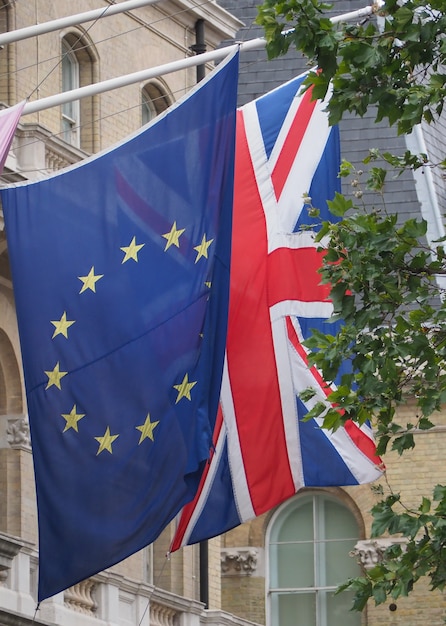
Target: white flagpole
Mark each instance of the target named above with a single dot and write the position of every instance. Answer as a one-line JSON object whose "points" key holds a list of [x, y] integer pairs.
{"points": [[353, 15], [71, 20], [136, 77], [174, 66]]}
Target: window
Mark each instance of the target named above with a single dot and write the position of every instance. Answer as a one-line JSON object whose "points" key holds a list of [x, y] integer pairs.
{"points": [[154, 100], [79, 67], [10, 385], [148, 111], [70, 110], [309, 540]]}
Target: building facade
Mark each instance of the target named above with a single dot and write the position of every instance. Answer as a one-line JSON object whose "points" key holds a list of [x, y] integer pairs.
{"points": [[282, 568]]}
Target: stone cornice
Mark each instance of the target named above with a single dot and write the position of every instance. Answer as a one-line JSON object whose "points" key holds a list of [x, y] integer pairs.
{"points": [[239, 561], [371, 551]]}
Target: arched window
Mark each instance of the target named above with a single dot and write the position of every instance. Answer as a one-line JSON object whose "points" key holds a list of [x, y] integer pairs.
{"points": [[154, 100], [309, 539], [10, 383], [71, 122], [79, 67]]}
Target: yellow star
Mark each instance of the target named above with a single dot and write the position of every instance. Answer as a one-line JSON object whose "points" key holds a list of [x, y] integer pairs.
{"points": [[131, 251], [184, 389], [105, 442], [55, 376], [90, 280], [208, 284], [147, 429], [173, 236], [202, 249], [72, 419], [62, 326]]}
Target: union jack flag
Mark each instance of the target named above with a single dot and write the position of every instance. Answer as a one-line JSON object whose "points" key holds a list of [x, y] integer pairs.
{"points": [[263, 451]]}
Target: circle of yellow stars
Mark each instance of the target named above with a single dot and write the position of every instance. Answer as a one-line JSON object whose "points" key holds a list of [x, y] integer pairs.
{"points": [[64, 324]]}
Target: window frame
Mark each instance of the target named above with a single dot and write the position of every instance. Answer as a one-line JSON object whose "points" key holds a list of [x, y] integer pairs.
{"points": [[82, 51], [319, 590], [155, 99], [70, 112]]}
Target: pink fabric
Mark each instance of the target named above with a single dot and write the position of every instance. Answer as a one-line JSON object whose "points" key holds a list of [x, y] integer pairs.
{"points": [[9, 118]]}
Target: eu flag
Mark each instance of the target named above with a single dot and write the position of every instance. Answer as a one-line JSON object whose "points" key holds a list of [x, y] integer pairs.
{"points": [[121, 277]]}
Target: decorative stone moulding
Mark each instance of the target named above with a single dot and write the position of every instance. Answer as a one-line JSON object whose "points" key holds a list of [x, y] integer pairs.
{"points": [[162, 615], [81, 598], [371, 551], [9, 548], [17, 432], [239, 561]]}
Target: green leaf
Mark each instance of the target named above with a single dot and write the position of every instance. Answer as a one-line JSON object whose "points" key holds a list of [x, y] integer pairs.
{"points": [[439, 493], [379, 594], [425, 505], [332, 420], [377, 177], [403, 17], [413, 228], [381, 521], [307, 394], [404, 442], [425, 424], [339, 205]]}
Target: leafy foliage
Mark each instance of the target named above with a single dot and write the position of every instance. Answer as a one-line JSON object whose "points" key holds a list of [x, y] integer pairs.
{"points": [[382, 273], [422, 553], [384, 288], [394, 63]]}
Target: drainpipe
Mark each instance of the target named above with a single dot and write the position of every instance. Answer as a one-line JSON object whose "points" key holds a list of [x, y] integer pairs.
{"points": [[199, 47], [427, 195], [204, 573]]}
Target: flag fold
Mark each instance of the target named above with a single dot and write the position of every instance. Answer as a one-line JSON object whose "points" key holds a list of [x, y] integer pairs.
{"points": [[9, 118], [121, 277]]}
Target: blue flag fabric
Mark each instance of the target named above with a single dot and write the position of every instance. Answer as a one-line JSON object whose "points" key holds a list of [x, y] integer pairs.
{"points": [[121, 278]]}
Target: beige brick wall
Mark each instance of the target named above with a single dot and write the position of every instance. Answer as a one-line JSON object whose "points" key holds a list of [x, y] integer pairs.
{"points": [[214, 548], [414, 474], [244, 596], [423, 607], [18, 513], [28, 508]]}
